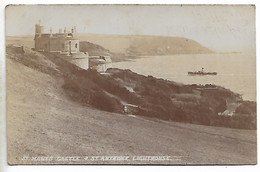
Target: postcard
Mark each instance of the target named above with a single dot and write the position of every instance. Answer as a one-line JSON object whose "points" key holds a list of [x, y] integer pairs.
{"points": [[131, 84]]}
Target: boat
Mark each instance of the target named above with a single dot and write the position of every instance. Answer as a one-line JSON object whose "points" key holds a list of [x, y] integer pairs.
{"points": [[202, 73]]}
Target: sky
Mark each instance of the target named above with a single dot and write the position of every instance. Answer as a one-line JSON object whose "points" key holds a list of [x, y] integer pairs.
{"points": [[224, 28]]}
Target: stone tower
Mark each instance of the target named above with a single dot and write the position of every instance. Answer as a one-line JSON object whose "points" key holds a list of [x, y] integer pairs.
{"points": [[39, 29]]}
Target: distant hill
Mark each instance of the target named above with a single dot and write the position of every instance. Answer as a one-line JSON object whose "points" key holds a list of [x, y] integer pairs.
{"points": [[149, 46], [27, 41], [146, 45]]}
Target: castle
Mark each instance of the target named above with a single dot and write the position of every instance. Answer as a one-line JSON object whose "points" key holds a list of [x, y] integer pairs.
{"points": [[66, 45]]}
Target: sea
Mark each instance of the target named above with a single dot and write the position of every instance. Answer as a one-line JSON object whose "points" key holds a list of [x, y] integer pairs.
{"points": [[235, 71]]}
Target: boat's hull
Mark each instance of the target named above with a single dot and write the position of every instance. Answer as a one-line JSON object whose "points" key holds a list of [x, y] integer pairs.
{"points": [[202, 73]]}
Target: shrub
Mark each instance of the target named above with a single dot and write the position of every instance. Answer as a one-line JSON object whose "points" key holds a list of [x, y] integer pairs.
{"points": [[103, 102], [247, 107]]}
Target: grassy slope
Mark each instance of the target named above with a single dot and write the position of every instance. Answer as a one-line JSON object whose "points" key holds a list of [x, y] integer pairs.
{"points": [[43, 121]]}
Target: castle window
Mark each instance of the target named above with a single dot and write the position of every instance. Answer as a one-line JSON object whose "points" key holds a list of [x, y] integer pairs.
{"points": [[76, 45]]}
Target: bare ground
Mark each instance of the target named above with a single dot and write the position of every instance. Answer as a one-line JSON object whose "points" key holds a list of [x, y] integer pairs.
{"points": [[42, 121]]}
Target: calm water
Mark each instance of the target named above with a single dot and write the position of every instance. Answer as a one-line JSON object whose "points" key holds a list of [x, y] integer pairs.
{"points": [[236, 72]]}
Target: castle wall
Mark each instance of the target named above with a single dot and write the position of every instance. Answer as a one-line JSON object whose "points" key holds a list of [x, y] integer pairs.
{"points": [[41, 44], [102, 67], [74, 46], [56, 44], [79, 59], [82, 63], [100, 63]]}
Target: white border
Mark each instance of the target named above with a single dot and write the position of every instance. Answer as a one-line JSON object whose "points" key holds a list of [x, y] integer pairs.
{"points": [[65, 168]]}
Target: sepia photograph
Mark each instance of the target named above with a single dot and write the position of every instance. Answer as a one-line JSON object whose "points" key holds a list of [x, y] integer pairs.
{"points": [[131, 84]]}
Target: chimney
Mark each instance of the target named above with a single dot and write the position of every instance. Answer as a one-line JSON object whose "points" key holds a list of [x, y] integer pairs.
{"points": [[72, 30], [65, 30]]}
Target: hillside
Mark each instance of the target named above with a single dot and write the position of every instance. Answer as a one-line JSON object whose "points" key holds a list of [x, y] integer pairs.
{"points": [[97, 50], [44, 120]]}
